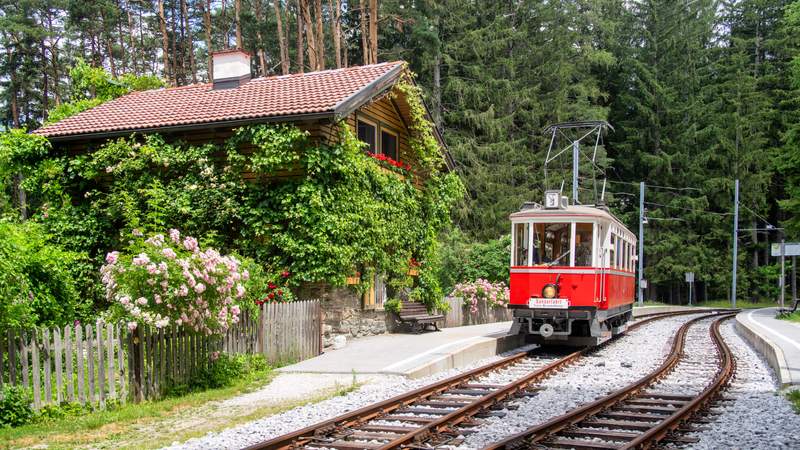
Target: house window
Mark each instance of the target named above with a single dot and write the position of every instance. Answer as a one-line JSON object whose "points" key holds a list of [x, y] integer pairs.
{"points": [[389, 144], [367, 133]]}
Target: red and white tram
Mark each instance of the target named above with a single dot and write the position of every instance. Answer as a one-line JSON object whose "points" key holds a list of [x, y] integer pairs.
{"points": [[572, 273]]}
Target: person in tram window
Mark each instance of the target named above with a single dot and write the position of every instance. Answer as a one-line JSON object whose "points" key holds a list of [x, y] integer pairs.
{"points": [[583, 246]]}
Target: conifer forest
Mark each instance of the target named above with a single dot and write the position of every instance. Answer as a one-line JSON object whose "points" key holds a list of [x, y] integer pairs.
{"points": [[699, 92]]}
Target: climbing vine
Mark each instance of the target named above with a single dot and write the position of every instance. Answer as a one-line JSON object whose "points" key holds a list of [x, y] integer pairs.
{"points": [[319, 211]]}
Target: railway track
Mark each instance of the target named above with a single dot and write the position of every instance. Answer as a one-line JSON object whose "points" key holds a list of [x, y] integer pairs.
{"points": [[639, 415], [430, 413]]}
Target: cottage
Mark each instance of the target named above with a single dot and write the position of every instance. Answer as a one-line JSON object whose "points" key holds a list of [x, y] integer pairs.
{"points": [[366, 98]]}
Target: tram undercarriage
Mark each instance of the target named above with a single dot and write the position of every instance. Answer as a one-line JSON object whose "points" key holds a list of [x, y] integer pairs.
{"points": [[574, 327]]}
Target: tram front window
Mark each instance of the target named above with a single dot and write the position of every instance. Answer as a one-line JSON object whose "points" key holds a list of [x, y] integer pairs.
{"points": [[552, 243], [521, 240], [583, 244]]}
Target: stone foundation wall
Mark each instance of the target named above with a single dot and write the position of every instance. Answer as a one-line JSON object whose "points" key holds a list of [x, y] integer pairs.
{"points": [[342, 314]]}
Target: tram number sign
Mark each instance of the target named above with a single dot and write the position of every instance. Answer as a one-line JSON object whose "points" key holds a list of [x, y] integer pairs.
{"points": [[690, 277], [553, 303], [790, 249]]}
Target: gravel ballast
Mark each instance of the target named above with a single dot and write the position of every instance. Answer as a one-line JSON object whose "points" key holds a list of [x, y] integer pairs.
{"points": [[758, 417]]}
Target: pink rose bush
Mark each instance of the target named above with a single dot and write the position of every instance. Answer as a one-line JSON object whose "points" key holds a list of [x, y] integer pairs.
{"points": [[173, 281], [496, 295]]}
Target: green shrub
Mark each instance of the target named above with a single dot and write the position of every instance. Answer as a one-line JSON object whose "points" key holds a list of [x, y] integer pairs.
{"points": [[465, 260], [15, 406], [393, 305], [227, 369], [38, 279]]}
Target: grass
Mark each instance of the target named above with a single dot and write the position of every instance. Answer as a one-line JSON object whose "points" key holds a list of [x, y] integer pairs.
{"points": [[793, 317], [741, 304], [122, 421], [794, 398], [158, 423]]}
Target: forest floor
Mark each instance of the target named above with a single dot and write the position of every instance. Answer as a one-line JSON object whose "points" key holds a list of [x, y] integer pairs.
{"points": [[161, 423]]}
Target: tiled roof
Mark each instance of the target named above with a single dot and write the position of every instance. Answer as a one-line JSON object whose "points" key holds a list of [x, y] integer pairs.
{"points": [[308, 93]]}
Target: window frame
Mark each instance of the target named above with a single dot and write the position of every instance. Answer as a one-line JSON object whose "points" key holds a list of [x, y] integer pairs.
{"points": [[396, 136], [376, 130]]}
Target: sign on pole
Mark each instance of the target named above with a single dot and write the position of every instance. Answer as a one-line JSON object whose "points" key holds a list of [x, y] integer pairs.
{"points": [[690, 280], [790, 249]]}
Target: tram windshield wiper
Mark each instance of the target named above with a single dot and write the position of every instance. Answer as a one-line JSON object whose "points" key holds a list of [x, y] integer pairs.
{"points": [[557, 259]]}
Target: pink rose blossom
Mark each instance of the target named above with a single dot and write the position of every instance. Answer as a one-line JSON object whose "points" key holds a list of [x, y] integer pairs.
{"points": [[141, 260], [175, 236], [168, 253], [132, 326], [190, 243], [200, 288], [112, 257], [141, 301]]}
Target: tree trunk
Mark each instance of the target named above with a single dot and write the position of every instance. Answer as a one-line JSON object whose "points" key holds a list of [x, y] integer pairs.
{"points": [[373, 31], [320, 35], [122, 60], [132, 44], [364, 37], [237, 7], [164, 39], [13, 89], [437, 89], [225, 27], [45, 80], [284, 49], [207, 21], [335, 7], [311, 43], [177, 69], [262, 57], [188, 39], [299, 17]]}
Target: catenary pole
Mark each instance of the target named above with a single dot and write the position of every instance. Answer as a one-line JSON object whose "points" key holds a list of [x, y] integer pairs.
{"points": [[783, 271], [735, 241], [575, 153], [641, 242]]}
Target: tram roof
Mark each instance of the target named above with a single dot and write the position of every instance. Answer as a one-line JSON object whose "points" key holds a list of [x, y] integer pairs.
{"points": [[569, 213]]}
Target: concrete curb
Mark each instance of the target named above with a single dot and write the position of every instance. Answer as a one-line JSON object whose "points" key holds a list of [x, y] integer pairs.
{"points": [[483, 347], [768, 349]]}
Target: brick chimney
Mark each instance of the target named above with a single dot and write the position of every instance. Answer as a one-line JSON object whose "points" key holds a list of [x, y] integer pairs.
{"points": [[231, 68]]}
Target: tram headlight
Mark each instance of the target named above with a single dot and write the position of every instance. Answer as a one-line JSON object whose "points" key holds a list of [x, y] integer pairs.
{"points": [[549, 291]]}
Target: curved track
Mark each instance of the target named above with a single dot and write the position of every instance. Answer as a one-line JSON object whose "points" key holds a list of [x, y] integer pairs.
{"points": [[636, 416], [417, 416]]}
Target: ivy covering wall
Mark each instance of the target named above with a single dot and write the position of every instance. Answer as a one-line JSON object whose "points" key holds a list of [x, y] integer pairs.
{"points": [[340, 213]]}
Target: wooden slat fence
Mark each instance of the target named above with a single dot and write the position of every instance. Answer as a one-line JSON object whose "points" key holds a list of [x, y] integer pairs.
{"points": [[97, 363], [460, 315]]}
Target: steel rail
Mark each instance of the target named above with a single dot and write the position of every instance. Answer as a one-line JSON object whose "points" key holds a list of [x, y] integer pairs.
{"points": [[536, 434], [723, 376], [375, 411]]}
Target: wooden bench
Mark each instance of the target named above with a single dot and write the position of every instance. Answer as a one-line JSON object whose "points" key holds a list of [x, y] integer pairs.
{"points": [[416, 315]]}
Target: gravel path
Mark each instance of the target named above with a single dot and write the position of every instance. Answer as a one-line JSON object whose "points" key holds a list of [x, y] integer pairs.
{"points": [[758, 417]]}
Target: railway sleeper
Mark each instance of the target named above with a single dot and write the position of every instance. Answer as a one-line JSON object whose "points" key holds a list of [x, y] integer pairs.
{"points": [[618, 424], [602, 434], [579, 444]]}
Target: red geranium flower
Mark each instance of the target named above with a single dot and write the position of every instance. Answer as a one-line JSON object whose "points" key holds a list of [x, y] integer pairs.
{"points": [[272, 285], [271, 295], [285, 274]]}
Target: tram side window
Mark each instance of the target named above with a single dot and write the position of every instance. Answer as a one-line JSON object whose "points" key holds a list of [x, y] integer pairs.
{"points": [[618, 263], [612, 261], [583, 244], [521, 241]]}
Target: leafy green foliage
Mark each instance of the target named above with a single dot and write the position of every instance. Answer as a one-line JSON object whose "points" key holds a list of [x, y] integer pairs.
{"points": [[39, 282], [15, 406], [466, 260], [226, 369], [92, 86]]}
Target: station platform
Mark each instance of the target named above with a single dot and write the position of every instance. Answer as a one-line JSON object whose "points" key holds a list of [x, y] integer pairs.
{"points": [[777, 340], [413, 355]]}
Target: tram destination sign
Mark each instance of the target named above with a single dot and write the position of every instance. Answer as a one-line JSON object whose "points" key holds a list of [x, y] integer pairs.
{"points": [[791, 249]]}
